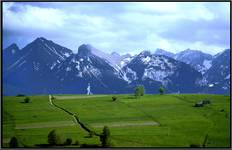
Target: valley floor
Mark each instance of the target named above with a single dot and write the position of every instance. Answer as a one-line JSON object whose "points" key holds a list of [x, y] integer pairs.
{"points": [[149, 121]]}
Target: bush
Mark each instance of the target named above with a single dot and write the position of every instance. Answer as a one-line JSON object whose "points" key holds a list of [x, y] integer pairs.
{"points": [[54, 138], [114, 98], [13, 142], [105, 137], [27, 100], [68, 141]]}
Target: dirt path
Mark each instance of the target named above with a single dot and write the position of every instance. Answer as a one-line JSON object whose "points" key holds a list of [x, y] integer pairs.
{"points": [[77, 97], [95, 125]]}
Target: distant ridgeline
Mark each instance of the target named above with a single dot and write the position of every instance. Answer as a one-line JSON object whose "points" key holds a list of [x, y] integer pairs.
{"points": [[44, 67]]}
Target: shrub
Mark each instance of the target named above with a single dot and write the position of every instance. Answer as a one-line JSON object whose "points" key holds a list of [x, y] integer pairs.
{"points": [[105, 137], [54, 138], [114, 98], [27, 100], [13, 142], [68, 141], [20, 95]]}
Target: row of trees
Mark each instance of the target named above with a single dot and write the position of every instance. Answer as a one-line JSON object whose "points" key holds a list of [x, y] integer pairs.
{"points": [[139, 91], [55, 138]]}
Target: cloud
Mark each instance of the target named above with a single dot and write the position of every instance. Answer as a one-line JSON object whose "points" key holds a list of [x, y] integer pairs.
{"points": [[122, 27]]}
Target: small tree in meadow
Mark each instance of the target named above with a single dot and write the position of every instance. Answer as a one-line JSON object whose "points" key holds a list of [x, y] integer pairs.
{"points": [[141, 89], [54, 138], [161, 90], [137, 92], [13, 142], [105, 137]]}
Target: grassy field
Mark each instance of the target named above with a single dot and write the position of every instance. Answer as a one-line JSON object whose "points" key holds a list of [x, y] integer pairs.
{"points": [[150, 121]]}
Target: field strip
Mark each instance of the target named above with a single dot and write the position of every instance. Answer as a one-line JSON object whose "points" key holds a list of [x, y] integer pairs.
{"points": [[6, 140], [96, 125], [77, 97]]}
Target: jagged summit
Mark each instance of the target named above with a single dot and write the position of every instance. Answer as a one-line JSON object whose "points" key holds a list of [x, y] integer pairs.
{"points": [[44, 67], [115, 54], [164, 52], [84, 50], [13, 46], [145, 53]]}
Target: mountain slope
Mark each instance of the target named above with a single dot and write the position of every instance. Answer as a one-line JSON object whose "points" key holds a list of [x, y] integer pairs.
{"points": [[31, 71], [154, 71], [84, 68], [44, 67], [217, 77], [197, 59]]}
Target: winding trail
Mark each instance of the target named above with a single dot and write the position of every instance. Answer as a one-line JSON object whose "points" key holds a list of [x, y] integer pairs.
{"points": [[77, 120]]}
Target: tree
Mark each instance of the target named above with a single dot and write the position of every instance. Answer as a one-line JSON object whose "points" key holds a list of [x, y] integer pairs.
{"points": [[13, 142], [105, 137], [27, 100], [161, 90], [139, 91], [54, 138]]}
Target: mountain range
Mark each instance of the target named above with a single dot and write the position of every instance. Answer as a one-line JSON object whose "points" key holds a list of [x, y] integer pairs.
{"points": [[44, 67]]}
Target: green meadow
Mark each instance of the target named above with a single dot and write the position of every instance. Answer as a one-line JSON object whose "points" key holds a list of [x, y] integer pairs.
{"points": [[148, 121]]}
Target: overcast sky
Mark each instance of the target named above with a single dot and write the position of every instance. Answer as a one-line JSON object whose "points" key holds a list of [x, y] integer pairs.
{"points": [[121, 27]]}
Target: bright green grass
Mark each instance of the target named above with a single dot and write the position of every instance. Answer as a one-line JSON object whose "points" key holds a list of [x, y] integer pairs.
{"points": [[180, 124]]}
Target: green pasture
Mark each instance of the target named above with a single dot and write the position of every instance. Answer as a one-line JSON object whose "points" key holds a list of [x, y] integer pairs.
{"points": [[149, 121]]}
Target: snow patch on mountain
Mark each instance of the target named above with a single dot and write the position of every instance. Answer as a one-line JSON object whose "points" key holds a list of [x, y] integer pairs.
{"points": [[54, 51], [67, 54], [125, 61], [227, 77], [129, 75], [156, 75], [95, 72], [53, 65], [146, 59], [207, 64], [211, 85], [68, 69]]}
